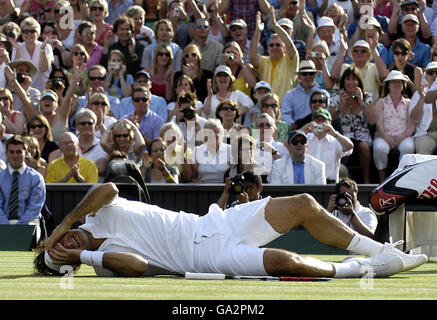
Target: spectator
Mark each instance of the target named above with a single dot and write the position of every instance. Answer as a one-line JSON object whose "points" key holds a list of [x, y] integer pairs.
{"points": [[212, 158], [244, 73], [270, 105], [228, 112], [183, 84], [37, 52], [372, 32], [243, 148], [210, 49], [132, 50], [187, 119], [424, 113], [98, 12], [383, 8], [78, 56], [147, 120], [142, 33], [153, 12], [296, 102], [218, 30], [422, 51], [72, 167], [261, 88], [327, 144], [156, 170], [23, 191], [353, 108], [161, 72], [99, 104], [41, 11], [372, 73], [118, 81], [116, 8], [282, 54], [326, 31], [177, 15], [39, 127], [238, 33], [222, 88], [350, 8], [318, 100], [401, 50], [164, 35], [80, 10], [394, 128], [157, 104], [124, 136], [13, 120], [11, 30], [298, 167], [61, 56], [89, 145], [66, 31], [319, 54], [359, 218], [59, 83], [86, 32], [33, 158], [192, 67]]}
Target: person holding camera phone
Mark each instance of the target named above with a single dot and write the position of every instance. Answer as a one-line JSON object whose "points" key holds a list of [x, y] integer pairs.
{"points": [[345, 206]]}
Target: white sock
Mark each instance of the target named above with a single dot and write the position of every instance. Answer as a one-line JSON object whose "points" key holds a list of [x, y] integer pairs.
{"points": [[364, 245], [348, 269]]}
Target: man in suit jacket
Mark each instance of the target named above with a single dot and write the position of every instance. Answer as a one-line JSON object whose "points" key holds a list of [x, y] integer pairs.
{"points": [[298, 167]]}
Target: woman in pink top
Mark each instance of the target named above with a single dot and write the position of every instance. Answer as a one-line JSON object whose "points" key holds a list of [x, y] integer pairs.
{"points": [[394, 128]]}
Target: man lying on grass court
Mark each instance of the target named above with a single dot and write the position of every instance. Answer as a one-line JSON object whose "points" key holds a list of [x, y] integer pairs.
{"points": [[128, 238]]}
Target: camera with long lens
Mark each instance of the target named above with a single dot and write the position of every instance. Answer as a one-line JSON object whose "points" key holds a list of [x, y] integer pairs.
{"points": [[189, 113], [57, 83], [238, 184], [342, 199]]}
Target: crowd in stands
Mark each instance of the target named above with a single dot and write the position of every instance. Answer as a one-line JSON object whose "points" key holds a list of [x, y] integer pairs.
{"points": [[198, 91]]}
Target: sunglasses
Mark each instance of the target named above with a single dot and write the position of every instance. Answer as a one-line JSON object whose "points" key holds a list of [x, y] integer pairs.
{"points": [[161, 54], [96, 8], [87, 33], [294, 3], [140, 99], [4, 98], [24, 31], [271, 45], [397, 53], [308, 73], [192, 54], [124, 135], [229, 108], [295, 142], [34, 126], [76, 53], [159, 149], [86, 123], [360, 51], [99, 103], [431, 72], [318, 101], [270, 105], [96, 78], [235, 28], [200, 26]]}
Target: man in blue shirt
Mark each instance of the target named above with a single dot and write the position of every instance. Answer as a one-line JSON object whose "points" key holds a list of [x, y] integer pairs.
{"points": [[28, 187], [296, 102], [116, 8], [157, 103], [148, 121]]}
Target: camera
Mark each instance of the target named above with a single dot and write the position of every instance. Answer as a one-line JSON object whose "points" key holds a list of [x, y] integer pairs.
{"points": [[115, 65], [20, 78], [56, 83], [238, 184], [10, 34], [315, 54], [229, 55], [176, 11], [188, 113], [318, 127], [342, 199]]}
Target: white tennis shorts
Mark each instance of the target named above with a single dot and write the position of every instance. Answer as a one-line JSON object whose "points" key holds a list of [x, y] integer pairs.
{"points": [[228, 241]]}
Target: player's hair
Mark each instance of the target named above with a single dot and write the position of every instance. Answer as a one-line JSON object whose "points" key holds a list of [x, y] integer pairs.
{"points": [[39, 266]]}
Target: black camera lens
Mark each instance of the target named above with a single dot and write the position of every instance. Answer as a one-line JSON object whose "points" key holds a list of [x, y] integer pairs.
{"points": [[342, 199], [238, 184], [10, 34], [20, 78], [188, 113]]}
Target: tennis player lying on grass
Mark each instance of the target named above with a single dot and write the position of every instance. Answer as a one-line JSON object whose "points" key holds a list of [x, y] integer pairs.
{"points": [[128, 238]]}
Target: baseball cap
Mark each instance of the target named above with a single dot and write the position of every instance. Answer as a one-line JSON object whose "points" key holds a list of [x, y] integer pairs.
{"points": [[223, 68], [285, 22], [326, 22], [50, 94], [410, 17], [238, 22], [142, 72], [295, 133], [323, 113], [431, 65], [407, 2], [262, 84]]}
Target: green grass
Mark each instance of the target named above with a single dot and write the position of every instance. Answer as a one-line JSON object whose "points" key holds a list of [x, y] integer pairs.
{"points": [[17, 282]]}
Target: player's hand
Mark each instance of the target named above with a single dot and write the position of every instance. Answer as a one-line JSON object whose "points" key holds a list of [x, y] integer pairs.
{"points": [[57, 234], [62, 255]]}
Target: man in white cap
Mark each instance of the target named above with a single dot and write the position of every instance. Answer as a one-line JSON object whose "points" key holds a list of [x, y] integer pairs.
{"points": [[422, 51], [423, 110], [296, 102], [238, 32], [260, 90], [279, 66], [418, 8], [373, 74], [326, 31]]}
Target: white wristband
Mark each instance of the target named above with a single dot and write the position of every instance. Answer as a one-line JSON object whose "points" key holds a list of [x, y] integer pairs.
{"points": [[92, 258]]}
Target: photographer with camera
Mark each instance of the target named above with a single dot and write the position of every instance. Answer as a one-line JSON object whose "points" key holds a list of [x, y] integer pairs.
{"points": [[345, 206], [245, 187]]}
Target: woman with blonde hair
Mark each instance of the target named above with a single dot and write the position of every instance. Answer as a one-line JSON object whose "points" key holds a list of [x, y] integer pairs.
{"points": [[98, 12], [118, 81], [191, 66], [99, 104], [39, 127], [79, 55], [33, 159], [154, 167], [40, 54], [13, 120]]}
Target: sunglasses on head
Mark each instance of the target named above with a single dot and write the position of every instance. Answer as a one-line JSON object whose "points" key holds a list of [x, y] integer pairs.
{"points": [[99, 103], [86, 123], [96, 78], [192, 54], [162, 149], [124, 135], [34, 126], [295, 142], [397, 53], [140, 99], [160, 54]]}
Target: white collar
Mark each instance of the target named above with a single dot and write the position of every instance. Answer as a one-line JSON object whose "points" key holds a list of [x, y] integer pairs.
{"points": [[20, 171]]}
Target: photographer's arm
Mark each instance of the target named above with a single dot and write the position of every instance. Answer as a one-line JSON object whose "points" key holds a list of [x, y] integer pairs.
{"points": [[222, 201]]}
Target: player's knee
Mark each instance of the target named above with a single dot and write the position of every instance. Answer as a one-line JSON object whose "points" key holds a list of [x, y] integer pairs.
{"points": [[281, 262]]}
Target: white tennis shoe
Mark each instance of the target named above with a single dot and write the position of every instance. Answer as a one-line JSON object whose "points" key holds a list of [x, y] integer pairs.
{"points": [[411, 261], [381, 265]]}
